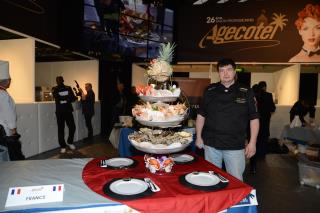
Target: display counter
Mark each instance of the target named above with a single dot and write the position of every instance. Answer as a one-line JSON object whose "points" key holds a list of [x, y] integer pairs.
{"points": [[37, 125]]}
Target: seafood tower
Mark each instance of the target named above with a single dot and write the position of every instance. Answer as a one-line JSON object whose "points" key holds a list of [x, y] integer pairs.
{"points": [[160, 110]]}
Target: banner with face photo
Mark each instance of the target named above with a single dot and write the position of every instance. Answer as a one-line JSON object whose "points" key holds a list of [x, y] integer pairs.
{"points": [[262, 31]]}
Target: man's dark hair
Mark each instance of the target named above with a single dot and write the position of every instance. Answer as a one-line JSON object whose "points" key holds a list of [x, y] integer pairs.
{"points": [[262, 84], [256, 89], [226, 61], [59, 80]]}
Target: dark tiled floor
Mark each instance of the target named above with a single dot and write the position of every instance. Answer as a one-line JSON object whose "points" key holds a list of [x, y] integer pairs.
{"points": [[278, 186], [276, 180], [97, 147]]}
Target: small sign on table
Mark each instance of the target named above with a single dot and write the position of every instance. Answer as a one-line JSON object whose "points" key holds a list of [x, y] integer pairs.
{"points": [[18, 196]]}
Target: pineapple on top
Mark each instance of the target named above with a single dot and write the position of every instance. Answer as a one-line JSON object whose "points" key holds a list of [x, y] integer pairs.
{"points": [[160, 68]]}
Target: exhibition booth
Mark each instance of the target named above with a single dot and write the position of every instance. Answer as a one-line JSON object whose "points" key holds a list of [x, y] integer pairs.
{"points": [[36, 121]]}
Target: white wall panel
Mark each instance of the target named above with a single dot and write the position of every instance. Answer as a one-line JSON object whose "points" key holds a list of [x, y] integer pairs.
{"points": [[287, 85], [21, 56], [37, 125], [47, 124], [81, 71], [81, 130], [27, 125], [256, 77]]}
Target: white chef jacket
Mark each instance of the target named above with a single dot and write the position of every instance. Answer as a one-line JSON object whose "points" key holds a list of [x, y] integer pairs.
{"points": [[8, 115]]}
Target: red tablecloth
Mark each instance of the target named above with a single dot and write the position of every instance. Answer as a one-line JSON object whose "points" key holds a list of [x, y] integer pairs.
{"points": [[173, 196]]}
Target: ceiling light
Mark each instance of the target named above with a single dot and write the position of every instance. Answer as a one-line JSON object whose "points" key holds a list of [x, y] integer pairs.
{"points": [[199, 2]]}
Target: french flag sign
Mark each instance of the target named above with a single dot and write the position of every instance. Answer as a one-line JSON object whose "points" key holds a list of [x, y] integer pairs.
{"points": [[26, 195], [15, 191], [57, 188]]}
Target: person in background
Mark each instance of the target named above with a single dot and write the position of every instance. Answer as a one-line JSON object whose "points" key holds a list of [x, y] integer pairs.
{"points": [[222, 119], [266, 107], [253, 160], [64, 96], [120, 107], [132, 100], [301, 108], [87, 103], [8, 115]]}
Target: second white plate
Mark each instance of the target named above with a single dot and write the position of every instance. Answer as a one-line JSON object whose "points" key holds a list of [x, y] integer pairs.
{"points": [[119, 162], [182, 158], [156, 99], [171, 123], [128, 186], [202, 179]]}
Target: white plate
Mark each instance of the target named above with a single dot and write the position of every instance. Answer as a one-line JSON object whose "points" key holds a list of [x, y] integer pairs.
{"points": [[182, 158], [156, 99], [202, 179], [128, 187], [158, 150], [119, 162], [163, 124]]}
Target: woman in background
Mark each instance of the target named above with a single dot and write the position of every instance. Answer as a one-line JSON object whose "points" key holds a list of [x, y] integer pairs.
{"points": [[308, 25]]}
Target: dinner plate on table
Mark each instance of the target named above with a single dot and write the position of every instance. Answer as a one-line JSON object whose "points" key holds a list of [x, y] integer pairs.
{"points": [[164, 124], [183, 158], [127, 188], [118, 163], [156, 98], [202, 181]]}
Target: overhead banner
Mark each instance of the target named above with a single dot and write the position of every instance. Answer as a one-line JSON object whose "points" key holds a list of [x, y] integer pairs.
{"points": [[249, 31]]}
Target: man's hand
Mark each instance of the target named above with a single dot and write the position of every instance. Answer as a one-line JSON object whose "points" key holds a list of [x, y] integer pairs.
{"points": [[250, 150], [13, 131], [199, 142]]}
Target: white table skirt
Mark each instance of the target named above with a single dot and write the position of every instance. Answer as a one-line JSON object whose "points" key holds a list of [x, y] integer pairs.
{"points": [[54, 171], [78, 198]]}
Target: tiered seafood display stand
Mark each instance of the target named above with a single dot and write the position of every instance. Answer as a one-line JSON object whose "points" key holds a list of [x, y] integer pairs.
{"points": [[162, 110]]}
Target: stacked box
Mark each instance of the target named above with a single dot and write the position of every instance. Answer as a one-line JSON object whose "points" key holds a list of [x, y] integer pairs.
{"points": [[309, 172]]}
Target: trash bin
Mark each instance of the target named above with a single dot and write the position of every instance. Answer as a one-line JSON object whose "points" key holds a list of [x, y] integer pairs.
{"points": [[309, 172]]}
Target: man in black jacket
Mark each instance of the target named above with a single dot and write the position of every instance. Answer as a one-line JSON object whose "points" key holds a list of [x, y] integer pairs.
{"points": [[222, 120], [87, 102], [266, 108], [64, 96]]}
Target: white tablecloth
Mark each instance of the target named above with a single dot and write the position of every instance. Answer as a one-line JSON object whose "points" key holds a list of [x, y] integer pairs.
{"points": [[77, 196]]}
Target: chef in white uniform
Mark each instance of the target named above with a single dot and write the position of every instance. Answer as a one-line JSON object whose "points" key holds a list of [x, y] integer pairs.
{"points": [[8, 116]]}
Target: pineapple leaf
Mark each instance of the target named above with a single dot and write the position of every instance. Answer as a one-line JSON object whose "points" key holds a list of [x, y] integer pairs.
{"points": [[166, 52]]}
